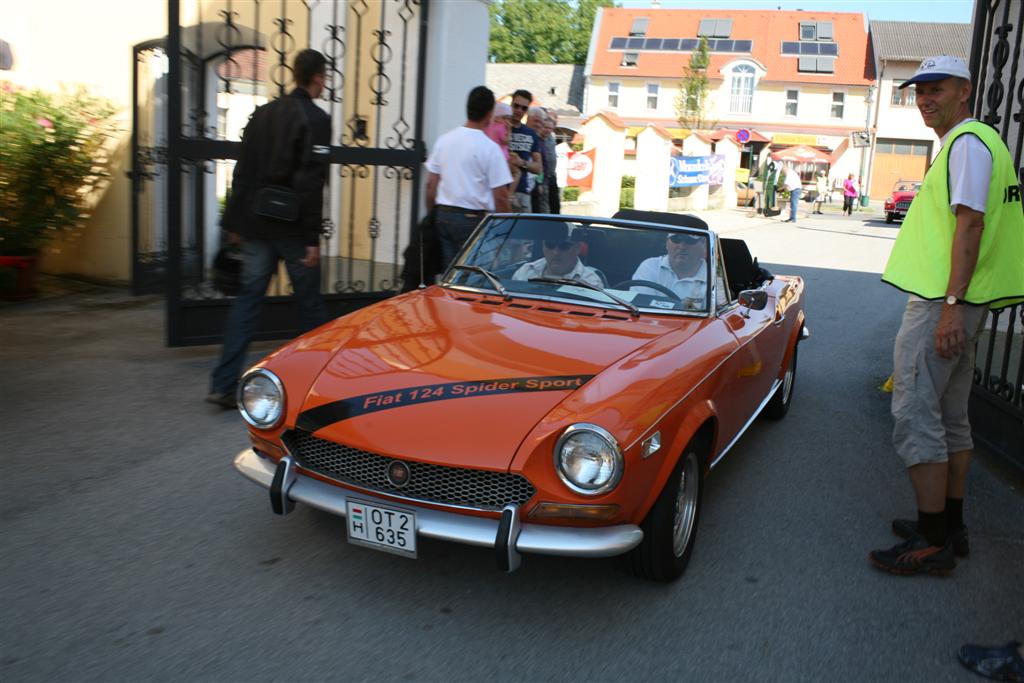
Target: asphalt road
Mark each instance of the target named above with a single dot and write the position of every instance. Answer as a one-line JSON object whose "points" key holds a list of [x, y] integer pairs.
{"points": [[131, 550]]}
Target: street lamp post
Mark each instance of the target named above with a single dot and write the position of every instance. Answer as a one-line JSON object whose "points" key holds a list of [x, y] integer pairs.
{"points": [[865, 152]]}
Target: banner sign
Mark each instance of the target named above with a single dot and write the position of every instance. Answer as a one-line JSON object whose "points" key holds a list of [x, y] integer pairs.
{"points": [[581, 169], [692, 171]]}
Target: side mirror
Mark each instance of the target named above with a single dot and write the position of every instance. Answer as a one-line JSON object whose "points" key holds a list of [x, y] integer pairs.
{"points": [[754, 299]]}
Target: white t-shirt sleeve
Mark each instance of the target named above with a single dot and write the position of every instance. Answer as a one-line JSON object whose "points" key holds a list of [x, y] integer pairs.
{"points": [[498, 174], [433, 163], [970, 172]]}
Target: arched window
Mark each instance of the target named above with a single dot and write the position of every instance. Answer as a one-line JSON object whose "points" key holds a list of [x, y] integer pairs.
{"points": [[741, 89]]}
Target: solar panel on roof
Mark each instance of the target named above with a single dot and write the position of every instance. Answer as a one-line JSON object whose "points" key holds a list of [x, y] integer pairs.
{"points": [[688, 44], [790, 48], [618, 43], [743, 46], [670, 44], [634, 43], [652, 44], [725, 46], [828, 49], [808, 48]]}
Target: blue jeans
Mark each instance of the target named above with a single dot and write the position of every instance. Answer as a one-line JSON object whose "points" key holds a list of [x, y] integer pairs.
{"points": [[259, 263], [453, 229], [794, 201]]}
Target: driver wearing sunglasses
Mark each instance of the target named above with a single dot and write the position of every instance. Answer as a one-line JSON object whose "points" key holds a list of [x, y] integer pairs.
{"points": [[683, 269], [561, 260]]}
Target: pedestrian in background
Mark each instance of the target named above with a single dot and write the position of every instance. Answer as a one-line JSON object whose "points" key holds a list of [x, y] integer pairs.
{"points": [[537, 120], [959, 252], [790, 180], [820, 189], [849, 195], [551, 175], [500, 130], [275, 210], [525, 144], [468, 176]]}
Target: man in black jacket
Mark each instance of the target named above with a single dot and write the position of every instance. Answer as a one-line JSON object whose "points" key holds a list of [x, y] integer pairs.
{"points": [[276, 210]]}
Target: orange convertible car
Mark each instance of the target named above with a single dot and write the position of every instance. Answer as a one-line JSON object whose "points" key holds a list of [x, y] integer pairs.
{"points": [[564, 390]]}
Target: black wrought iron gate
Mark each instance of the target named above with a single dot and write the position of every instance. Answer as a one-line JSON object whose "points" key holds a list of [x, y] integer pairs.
{"points": [[997, 400], [193, 94]]}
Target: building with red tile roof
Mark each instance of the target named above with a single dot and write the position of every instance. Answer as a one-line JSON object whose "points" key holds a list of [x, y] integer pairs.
{"points": [[788, 77]]}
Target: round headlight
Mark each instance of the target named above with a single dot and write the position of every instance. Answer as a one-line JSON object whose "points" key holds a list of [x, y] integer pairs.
{"points": [[261, 399], [588, 459]]}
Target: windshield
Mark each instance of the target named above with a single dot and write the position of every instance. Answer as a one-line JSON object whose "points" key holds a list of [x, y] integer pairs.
{"points": [[654, 268]]}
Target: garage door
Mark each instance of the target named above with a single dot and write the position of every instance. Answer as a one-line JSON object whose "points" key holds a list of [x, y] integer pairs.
{"points": [[898, 160]]}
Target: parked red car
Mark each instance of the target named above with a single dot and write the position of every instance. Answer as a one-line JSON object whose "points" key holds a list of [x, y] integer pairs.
{"points": [[898, 203]]}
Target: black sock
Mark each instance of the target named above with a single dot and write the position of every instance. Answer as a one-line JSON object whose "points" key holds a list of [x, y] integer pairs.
{"points": [[954, 514], [932, 525]]}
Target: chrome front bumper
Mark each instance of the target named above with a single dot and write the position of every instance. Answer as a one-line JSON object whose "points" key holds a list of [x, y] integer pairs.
{"points": [[508, 535]]}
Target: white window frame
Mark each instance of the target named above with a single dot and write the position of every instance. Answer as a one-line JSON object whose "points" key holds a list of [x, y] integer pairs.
{"points": [[741, 75], [614, 90], [795, 102], [842, 105], [657, 92]]}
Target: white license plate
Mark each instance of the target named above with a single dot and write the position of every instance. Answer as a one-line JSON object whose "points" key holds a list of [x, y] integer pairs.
{"points": [[382, 528]]}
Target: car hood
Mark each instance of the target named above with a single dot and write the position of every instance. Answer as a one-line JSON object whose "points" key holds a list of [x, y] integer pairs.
{"points": [[460, 378], [903, 196]]}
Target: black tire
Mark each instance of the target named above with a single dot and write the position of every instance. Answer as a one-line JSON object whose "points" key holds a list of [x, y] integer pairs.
{"points": [[889, 218], [669, 534], [783, 397]]}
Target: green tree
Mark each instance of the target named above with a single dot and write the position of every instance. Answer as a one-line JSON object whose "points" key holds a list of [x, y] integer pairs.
{"points": [[542, 31], [692, 100]]}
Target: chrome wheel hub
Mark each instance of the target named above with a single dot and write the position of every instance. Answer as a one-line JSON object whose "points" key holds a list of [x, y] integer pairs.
{"points": [[686, 505]]}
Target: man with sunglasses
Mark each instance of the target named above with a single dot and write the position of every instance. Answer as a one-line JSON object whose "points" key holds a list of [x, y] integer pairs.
{"points": [[524, 146], [561, 260], [683, 269]]}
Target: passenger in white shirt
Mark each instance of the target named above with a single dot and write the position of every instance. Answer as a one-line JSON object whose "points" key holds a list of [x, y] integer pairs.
{"points": [[561, 260], [683, 269]]}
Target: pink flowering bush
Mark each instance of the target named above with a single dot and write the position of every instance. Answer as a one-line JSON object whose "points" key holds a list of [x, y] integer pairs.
{"points": [[53, 155]]}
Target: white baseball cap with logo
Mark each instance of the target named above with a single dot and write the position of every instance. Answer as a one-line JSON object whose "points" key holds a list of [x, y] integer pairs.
{"points": [[939, 68]]}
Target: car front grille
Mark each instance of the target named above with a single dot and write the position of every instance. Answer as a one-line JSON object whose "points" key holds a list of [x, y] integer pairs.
{"points": [[903, 206], [463, 487]]}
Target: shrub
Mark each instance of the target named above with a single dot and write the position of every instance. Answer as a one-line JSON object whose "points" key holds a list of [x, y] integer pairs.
{"points": [[570, 194], [626, 198], [53, 155]]}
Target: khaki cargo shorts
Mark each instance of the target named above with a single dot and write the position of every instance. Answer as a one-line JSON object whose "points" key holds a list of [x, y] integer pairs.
{"points": [[930, 394]]}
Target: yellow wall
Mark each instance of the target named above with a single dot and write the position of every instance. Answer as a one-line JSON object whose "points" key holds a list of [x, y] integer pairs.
{"points": [[70, 42]]}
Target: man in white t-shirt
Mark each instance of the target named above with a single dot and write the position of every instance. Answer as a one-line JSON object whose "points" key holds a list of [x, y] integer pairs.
{"points": [[790, 179], [469, 176], [683, 269]]}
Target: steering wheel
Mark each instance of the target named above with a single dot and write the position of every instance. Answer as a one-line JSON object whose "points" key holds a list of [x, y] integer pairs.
{"points": [[647, 283]]}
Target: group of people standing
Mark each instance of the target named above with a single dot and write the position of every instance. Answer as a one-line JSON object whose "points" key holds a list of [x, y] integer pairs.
{"points": [[501, 159]]}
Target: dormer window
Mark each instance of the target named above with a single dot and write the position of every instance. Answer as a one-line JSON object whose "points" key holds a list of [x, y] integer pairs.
{"points": [[629, 58], [639, 27]]}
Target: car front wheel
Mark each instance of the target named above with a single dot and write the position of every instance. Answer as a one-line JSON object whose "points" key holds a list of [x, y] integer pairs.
{"points": [[889, 217], [778, 406], [670, 528]]}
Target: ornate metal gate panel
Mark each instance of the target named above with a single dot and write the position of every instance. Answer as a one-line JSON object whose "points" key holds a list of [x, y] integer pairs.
{"points": [[997, 401], [223, 59]]}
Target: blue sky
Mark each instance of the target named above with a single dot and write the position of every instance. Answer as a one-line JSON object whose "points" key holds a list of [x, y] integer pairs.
{"points": [[890, 10]]}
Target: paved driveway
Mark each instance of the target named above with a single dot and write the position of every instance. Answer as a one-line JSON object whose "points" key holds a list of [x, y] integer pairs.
{"points": [[132, 551]]}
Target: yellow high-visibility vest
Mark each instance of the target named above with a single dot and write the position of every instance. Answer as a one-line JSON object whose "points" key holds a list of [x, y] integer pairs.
{"points": [[920, 261]]}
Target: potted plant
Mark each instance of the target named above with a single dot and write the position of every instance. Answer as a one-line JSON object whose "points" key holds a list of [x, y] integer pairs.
{"points": [[53, 157]]}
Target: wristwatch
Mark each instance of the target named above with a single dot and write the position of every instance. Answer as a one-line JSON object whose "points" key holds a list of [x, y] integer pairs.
{"points": [[953, 301]]}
